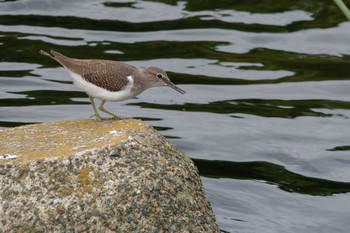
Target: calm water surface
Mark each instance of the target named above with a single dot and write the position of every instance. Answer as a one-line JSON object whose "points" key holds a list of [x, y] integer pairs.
{"points": [[266, 114]]}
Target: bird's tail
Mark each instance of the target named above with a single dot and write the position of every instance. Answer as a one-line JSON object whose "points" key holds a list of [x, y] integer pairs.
{"points": [[53, 54]]}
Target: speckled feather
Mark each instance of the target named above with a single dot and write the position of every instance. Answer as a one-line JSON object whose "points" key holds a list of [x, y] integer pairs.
{"points": [[110, 75]]}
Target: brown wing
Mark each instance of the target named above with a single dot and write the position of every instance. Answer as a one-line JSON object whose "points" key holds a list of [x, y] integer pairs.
{"points": [[110, 75]]}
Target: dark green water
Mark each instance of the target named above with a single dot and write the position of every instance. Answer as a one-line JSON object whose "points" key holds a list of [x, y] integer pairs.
{"points": [[266, 114]]}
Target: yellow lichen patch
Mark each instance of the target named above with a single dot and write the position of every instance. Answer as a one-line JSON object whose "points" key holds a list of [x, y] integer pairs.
{"points": [[63, 138], [85, 181], [64, 191]]}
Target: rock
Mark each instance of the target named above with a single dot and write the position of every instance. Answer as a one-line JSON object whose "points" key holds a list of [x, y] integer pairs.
{"points": [[90, 176]]}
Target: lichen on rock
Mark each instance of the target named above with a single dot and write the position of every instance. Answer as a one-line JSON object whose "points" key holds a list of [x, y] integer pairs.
{"points": [[89, 176]]}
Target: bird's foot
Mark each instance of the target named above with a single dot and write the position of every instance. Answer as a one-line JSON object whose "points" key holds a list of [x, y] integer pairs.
{"points": [[115, 117], [121, 118], [97, 117]]}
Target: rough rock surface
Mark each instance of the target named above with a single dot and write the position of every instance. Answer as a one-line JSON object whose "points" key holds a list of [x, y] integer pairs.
{"points": [[90, 176]]}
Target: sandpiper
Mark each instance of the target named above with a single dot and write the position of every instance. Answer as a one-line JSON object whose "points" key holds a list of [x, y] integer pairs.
{"points": [[111, 80]]}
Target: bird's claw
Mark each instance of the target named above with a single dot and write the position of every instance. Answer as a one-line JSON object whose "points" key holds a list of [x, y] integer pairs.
{"points": [[99, 118]]}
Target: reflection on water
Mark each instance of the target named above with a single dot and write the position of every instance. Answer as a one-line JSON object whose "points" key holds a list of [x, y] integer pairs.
{"points": [[286, 180], [259, 107], [266, 114]]}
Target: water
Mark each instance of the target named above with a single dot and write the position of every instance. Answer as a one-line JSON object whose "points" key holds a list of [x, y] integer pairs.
{"points": [[266, 114]]}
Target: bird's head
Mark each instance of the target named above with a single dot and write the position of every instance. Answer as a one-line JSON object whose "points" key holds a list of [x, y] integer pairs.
{"points": [[159, 78]]}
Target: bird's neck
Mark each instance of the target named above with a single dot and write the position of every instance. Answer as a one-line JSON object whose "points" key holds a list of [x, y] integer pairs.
{"points": [[147, 79]]}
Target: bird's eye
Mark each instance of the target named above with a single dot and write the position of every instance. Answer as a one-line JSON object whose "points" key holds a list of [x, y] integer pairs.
{"points": [[159, 75]]}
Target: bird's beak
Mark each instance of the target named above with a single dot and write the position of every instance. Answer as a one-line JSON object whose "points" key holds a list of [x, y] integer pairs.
{"points": [[176, 88]]}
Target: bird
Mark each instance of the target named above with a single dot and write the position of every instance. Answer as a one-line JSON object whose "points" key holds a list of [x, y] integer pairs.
{"points": [[109, 80]]}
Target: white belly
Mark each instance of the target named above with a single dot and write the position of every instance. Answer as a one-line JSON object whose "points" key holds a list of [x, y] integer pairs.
{"points": [[100, 93]]}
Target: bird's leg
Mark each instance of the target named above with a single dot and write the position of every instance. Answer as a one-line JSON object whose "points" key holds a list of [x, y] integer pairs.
{"points": [[95, 110], [108, 112]]}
